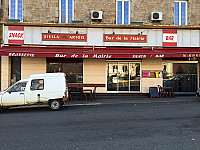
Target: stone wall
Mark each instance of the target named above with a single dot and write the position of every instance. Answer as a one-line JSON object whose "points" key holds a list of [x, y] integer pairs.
{"points": [[47, 11]]}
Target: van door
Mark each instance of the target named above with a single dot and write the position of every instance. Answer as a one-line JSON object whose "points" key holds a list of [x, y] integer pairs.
{"points": [[15, 95], [36, 92]]}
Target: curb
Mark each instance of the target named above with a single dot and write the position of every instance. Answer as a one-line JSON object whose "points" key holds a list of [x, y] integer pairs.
{"points": [[129, 102]]}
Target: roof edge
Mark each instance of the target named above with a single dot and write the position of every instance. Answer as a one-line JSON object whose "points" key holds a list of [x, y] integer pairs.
{"points": [[102, 26]]}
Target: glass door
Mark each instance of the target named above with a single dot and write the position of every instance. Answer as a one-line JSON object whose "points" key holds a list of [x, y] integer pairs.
{"points": [[112, 79], [123, 76], [134, 76]]}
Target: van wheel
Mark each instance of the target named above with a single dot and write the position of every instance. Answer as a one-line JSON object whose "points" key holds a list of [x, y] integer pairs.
{"points": [[55, 105]]}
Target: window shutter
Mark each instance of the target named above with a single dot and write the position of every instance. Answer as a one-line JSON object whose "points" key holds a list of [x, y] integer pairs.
{"points": [[12, 9], [20, 10], [183, 13], [126, 12], [119, 12], [176, 13], [70, 11], [63, 11]]}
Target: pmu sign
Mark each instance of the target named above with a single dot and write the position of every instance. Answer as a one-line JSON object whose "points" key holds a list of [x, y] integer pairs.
{"points": [[169, 38], [15, 35]]}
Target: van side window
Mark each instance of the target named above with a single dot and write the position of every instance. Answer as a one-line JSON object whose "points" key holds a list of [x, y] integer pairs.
{"points": [[19, 87], [37, 84]]}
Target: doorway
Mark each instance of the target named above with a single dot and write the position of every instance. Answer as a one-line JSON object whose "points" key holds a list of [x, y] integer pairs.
{"points": [[123, 76]]}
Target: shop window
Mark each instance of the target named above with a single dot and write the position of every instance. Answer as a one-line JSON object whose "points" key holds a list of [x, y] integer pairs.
{"points": [[73, 68], [16, 9], [180, 13], [181, 76], [123, 12], [37, 84], [66, 13]]}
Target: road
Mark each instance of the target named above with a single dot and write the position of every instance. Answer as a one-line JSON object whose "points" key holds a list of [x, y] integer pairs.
{"points": [[153, 126]]}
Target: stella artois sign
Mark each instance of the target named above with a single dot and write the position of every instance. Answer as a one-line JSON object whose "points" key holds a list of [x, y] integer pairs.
{"points": [[64, 37]]}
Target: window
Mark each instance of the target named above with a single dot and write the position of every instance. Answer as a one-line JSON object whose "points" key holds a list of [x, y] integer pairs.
{"points": [[19, 87], [180, 75], [37, 84], [16, 9], [66, 12], [180, 13], [123, 12]]}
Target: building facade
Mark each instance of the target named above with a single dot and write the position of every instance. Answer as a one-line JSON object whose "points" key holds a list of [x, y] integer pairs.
{"points": [[127, 45]]}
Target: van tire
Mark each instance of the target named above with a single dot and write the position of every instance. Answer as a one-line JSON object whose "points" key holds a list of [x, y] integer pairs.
{"points": [[55, 104]]}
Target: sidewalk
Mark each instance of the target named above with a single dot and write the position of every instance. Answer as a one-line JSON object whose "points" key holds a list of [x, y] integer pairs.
{"points": [[133, 100]]}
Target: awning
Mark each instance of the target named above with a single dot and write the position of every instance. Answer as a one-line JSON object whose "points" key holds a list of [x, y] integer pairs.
{"points": [[98, 52]]}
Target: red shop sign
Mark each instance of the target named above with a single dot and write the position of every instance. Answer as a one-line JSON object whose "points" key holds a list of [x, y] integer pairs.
{"points": [[64, 37], [16, 35], [125, 38]]}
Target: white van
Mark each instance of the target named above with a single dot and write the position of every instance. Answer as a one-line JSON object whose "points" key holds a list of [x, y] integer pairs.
{"points": [[47, 88]]}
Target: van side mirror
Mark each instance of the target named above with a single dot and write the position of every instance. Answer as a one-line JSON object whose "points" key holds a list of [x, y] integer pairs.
{"points": [[9, 91]]}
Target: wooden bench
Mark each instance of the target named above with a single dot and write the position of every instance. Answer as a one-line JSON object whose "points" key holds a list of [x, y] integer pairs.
{"points": [[87, 93]]}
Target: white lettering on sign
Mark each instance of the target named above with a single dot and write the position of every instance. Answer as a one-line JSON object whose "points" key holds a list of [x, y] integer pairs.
{"points": [[169, 37], [139, 56], [102, 56], [109, 38], [85, 56], [76, 37], [74, 56], [22, 54], [51, 36], [191, 55], [60, 55], [159, 56], [16, 35]]}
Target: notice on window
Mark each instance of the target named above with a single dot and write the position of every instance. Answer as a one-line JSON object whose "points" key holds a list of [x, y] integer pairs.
{"points": [[114, 79], [145, 74]]}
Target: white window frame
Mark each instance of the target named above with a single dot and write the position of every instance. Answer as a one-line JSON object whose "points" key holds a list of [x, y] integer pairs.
{"points": [[123, 11], [66, 11], [186, 11]]}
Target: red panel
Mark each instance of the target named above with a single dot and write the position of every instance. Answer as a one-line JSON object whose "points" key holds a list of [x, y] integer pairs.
{"points": [[171, 44], [16, 28], [16, 41], [170, 31]]}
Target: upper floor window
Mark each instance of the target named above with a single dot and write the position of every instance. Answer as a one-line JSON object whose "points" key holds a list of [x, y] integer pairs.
{"points": [[16, 9], [66, 13], [180, 13], [123, 12]]}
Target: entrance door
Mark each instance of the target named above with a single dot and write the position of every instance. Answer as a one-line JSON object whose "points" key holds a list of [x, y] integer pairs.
{"points": [[123, 76]]}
